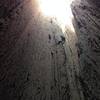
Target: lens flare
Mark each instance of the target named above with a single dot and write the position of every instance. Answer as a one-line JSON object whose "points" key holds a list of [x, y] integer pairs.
{"points": [[59, 9]]}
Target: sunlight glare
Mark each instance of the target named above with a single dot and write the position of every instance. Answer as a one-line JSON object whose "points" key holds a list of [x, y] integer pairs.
{"points": [[59, 9]]}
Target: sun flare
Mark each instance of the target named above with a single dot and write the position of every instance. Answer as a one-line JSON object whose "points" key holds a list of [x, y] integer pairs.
{"points": [[59, 9]]}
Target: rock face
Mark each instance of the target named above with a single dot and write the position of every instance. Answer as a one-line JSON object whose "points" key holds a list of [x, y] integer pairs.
{"points": [[40, 62], [95, 3], [87, 18]]}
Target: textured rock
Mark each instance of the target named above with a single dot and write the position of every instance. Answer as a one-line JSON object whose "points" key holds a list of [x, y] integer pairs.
{"points": [[87, 18], [40, 62]]}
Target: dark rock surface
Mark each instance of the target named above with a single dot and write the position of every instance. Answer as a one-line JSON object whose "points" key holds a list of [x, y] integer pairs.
{"points": [[39, 62], [87, 18]]}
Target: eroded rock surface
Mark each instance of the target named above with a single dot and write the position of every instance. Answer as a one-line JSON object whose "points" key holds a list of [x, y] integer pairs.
{"points": [[40, 62], [87, 19]]}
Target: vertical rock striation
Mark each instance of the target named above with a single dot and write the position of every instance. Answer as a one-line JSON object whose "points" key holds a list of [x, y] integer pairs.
{"points": [[87, 25]]}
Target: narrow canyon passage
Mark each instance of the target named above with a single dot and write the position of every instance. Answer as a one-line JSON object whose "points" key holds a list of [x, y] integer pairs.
{"points": [[40, 61]]}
